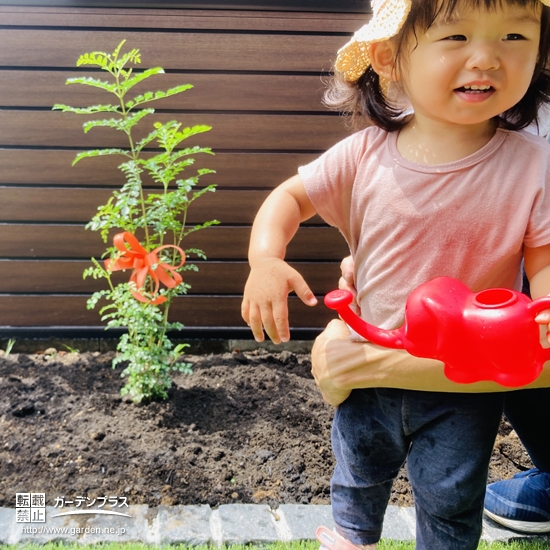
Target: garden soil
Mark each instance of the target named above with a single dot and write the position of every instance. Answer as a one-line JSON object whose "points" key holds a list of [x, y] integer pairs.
{"points": [[243, 428]]}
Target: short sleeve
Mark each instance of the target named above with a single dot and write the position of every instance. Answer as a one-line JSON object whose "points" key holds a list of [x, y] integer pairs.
{"points": [[329, 181]]}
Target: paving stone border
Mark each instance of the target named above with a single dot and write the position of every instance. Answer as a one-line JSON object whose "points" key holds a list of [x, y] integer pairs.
{"points": [[201, 525]]}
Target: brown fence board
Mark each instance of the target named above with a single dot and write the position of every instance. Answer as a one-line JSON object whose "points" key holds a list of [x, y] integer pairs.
{"points": [[229, 131], [203, 51], [218, 242], [65, 276], [53, 167], [241, 92], [57, 205], [192, 311], [182, 19]]}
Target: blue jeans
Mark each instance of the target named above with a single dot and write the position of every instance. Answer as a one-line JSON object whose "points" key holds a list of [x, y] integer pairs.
{"points": [[529, 413], [447, 439]]}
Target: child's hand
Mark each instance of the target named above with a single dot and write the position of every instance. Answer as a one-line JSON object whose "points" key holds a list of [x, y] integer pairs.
{"points": [[543, 318], [265, 301]]}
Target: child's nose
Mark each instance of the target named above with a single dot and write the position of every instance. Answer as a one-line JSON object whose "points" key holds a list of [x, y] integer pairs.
{"points": [[484, 57]]}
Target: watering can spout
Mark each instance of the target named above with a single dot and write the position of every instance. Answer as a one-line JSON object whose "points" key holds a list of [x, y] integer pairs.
{"points": [[340, 301]]}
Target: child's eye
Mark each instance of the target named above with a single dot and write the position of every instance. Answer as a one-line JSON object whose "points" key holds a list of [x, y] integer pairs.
{"points": [[514, 36], [457, 37]]}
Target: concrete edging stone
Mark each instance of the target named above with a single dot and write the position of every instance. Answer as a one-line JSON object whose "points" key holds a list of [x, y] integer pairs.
{"points": [[196, 525]]}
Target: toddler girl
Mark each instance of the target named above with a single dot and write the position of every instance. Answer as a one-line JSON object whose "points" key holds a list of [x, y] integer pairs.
{"points": [[444, 183]]}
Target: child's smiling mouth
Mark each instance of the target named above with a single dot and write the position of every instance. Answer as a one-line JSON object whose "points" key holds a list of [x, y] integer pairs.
{"points": [[475, 93], [475, 89]]}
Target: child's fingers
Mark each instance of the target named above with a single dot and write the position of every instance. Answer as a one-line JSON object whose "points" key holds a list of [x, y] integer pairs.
{"points": [[302, 290], [279, 331], [253, 318]]}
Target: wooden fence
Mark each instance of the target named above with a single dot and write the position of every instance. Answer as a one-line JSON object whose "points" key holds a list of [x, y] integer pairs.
{"points": [[258, 81]]}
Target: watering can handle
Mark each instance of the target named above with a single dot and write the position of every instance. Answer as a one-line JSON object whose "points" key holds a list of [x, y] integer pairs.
{"points": [[340, 301]]}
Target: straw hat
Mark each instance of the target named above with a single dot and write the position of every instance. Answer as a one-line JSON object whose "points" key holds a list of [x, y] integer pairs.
{"points": [[387, 19]]}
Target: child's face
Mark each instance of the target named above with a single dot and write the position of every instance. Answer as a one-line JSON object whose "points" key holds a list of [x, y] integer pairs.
{"points": [[474, 66]]}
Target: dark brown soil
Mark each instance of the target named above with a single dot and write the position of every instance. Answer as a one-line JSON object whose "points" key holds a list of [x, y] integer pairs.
{"points": [[244, 427]]}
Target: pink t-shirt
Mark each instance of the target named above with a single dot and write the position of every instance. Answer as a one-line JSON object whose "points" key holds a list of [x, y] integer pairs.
{"points": [[407, 223]]}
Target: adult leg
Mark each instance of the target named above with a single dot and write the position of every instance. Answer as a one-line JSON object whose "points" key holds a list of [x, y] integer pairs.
{"points": [[452, 440], [529, 413], [523, 502], [370, 448]]}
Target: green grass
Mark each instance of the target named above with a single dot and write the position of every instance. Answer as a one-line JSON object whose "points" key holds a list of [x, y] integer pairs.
{"points": [[520, 544]]}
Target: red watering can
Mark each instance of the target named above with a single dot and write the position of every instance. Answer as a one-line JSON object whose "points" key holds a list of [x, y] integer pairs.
{"points": [[488, 335]]}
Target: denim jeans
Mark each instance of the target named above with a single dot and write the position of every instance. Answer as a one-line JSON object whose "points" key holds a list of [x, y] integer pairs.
{"points": [[447, 439], [529, 413]]}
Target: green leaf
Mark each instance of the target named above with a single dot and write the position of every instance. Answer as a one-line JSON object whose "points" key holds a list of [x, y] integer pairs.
{"points": [[99, 59], [133, 56], [193, 131], [124, 124], [139, 77], [86, 110], [89, 81], [100, 153], [110, 123], [138, 100], [201, 192], [196, 251], [146, 140], [191, 151]]}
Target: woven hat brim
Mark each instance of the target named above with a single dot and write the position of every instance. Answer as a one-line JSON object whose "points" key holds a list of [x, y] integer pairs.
{"points": [[354, 58]]}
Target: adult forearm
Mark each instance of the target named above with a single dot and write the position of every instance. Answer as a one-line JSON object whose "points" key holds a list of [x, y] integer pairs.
{"points": [[340, 365]]}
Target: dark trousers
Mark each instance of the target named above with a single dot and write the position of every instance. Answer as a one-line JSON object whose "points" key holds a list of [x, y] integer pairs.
{"points": [[529, 413], [447, 440]]}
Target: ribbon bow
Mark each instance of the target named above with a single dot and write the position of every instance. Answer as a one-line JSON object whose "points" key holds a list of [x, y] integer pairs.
{"points": [[145, 263]]}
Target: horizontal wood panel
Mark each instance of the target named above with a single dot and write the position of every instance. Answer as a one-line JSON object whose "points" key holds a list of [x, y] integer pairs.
{"points": [[210, 91], [192, 311], [182, 19], [65, 277], [229, 131], [53, 167], [218, 242], [181, 50], [47, 204], [79, 205]]}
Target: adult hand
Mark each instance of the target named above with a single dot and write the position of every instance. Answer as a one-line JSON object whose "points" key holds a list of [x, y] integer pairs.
{"points": [[323, 363], [340, 365], [543, 318], [347, 281]]}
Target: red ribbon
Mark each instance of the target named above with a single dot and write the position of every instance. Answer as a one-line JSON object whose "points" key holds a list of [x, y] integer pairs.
{"points": [[145, 263]]}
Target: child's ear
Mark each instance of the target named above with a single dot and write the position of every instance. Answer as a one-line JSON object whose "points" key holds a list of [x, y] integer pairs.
{"points": [[382, 55]]}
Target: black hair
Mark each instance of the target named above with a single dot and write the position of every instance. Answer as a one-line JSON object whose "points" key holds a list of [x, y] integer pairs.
{"points": [[365, 98]]}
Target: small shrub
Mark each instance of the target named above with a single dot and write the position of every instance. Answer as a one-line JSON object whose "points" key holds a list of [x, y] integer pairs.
{"points": [[150, 226]]}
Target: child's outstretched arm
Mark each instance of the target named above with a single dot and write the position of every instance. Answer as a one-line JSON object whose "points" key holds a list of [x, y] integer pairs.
{"points": [[271, 279], [537, 269]]}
